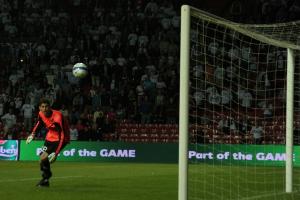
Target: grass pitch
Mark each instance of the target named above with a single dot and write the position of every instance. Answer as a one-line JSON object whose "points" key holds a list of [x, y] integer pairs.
{"points": [[124, 181], [89, 181], [232, 182]]}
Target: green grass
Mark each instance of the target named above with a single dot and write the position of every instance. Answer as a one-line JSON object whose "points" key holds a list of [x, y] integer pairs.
{"points": [[89, 181], [241, 183], [124, 181]]}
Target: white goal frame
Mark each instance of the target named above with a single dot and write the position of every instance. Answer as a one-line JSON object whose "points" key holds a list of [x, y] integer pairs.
{"points": [[186, 12]]}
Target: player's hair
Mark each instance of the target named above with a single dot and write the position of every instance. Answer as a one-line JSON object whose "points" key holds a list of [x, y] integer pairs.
{"points": [[44, 101]]}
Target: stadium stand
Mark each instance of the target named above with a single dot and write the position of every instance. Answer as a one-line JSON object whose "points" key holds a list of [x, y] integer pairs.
{"points": [[41, 40]]}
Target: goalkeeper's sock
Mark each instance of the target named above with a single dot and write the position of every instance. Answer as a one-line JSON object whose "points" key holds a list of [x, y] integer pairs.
{"points": [[45, 164], [45, 168]]}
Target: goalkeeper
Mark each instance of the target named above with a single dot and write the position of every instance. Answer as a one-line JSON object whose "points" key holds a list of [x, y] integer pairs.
{"points": [[57, 137]]}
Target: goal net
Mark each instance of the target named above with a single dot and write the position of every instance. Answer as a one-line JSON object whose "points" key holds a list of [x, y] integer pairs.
{"points": [[239, 109]]}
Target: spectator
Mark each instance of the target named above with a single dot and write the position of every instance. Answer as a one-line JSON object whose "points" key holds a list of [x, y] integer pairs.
{"points": [[140, 91], [98, 122], [244, 125], [73, 132], [171, 111], [232, 126], [132, 104], [257, 133], [294, 11], [267, 109], [213, 48], [82, 130], [246, 99], [120, 112], [1, 106], [263, 83], [236, 10], [198, 71], [199, 97], [145, 110], [27, 112], [64, 111], [219, 75], [226, 96], [160, 84], [160, 102], [224, 125], [9, 120], [151, 8], [230, 74], [78, 101], [150, 44], [110, 121], [18, 103], [214, 97]]}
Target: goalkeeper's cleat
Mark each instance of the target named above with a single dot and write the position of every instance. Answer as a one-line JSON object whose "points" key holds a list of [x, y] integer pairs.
{"points": [[43, 183]]}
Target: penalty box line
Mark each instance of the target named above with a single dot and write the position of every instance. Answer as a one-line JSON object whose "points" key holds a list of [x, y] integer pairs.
{"points": [[34, 179], [267, 195]]}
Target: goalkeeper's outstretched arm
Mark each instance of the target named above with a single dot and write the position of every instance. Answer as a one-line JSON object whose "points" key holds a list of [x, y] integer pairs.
{"points": [[36, 128]]}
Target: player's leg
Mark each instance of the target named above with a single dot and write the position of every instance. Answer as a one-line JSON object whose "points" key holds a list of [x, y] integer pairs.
{"points": [[45, 168], [49, 147], [45, 164]]}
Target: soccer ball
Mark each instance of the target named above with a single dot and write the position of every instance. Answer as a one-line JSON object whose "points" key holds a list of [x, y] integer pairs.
{"points": [[80, 70]]}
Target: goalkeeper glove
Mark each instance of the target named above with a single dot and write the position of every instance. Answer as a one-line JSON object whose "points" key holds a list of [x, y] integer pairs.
{"points": [[52, 157], [29, 138]]}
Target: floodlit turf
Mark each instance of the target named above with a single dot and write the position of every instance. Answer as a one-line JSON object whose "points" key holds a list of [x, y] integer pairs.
{"points": [[124, 181], [208, 182], [89, 181]]}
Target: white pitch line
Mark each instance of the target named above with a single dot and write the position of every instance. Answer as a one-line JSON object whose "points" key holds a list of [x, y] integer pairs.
{"points": [[33, 179], [265, 195]]}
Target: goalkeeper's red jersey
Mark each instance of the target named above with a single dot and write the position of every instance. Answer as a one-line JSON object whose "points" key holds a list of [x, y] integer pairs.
{"points": [[58, 128]]}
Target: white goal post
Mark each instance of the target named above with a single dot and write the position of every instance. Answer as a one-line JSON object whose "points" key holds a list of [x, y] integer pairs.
{"points": [[272, 34], [183, 102]]}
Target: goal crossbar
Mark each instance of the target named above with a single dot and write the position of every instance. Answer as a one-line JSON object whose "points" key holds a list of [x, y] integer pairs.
{"points": [[256, 31]]}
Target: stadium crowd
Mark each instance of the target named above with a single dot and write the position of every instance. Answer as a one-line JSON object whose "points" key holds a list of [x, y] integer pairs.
{"points": [[131, 48]]}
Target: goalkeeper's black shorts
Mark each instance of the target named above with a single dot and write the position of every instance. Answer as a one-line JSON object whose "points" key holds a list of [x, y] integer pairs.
{"points": [[50, 147]]}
